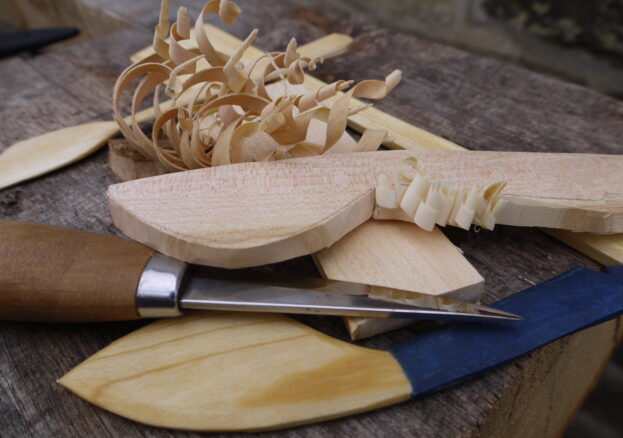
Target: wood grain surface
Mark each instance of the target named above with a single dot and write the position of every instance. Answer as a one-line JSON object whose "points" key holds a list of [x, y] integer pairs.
{"points": [[270, 372], [469, 100], [252, 214], [54, 274]]}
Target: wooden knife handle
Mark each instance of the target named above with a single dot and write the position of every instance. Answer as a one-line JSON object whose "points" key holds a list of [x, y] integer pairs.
{"points": [[54, 274]]}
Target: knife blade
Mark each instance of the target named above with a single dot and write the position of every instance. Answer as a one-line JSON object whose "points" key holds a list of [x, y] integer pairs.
{"points": [[58, 274]]}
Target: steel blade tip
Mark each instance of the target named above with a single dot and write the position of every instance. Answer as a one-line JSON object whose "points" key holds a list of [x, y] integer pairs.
{"points": [[499, 314]]}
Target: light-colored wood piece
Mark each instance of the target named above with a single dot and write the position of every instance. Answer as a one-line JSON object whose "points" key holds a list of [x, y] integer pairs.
{"points": [[235, 372], [39, 155], [398, 255], [329, 46], [341, 256], [128, 164], [62, 275], [401, 135], [606, 249], [256, 213]]}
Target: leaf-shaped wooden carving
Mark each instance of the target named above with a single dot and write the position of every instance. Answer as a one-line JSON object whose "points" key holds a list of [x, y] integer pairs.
{"points": [[236, 371]]}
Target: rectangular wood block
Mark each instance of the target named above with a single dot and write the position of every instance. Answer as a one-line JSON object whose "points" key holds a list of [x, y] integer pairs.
{"points": [[399, 255]]}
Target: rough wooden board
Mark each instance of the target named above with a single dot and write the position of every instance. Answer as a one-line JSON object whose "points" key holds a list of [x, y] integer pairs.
{"points": [[393, 254], [251, 214], [471, 100], [300, 375]]}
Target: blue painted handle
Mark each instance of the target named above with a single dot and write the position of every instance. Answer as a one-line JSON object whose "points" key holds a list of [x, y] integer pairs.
{"points": [[566, 304]]}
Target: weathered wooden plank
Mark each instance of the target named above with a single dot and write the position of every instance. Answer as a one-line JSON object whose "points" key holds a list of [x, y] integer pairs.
{"points": [[475, 102]]}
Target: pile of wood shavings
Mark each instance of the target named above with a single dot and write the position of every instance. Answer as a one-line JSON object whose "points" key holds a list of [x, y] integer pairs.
{"points": [[219, 114]]}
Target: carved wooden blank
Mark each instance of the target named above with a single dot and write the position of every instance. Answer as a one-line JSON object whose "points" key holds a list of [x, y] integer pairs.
{"points": [[258, 213], [383, 253]]}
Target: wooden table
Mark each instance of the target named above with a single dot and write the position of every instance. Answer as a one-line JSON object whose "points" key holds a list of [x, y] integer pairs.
{"points": [[476, 102]]}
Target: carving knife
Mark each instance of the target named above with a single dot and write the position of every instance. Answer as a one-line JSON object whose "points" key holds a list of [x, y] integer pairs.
{"points": [[57, 274]]}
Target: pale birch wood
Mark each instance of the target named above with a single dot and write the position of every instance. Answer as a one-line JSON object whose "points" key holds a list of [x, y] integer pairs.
{"points": [[235, 372], [257, 213], [398, 255], [340, 257], [39, 155], [394, 265]]}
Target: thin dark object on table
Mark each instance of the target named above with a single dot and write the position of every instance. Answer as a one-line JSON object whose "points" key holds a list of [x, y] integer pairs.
{"points": [[12, 43]]}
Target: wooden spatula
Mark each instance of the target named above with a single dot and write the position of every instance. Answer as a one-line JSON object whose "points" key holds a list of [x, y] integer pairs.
{"points": [[258, 213], [233, 372]]}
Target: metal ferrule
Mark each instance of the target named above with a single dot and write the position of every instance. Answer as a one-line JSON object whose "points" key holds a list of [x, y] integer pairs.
{"points": [[158, 290]]}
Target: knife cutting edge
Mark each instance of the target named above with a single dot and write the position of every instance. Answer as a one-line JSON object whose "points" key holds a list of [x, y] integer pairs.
{"points": [[57, 274]]}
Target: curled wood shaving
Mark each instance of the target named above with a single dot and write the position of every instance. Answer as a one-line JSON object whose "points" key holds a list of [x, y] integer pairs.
{"points": [[217, 114], [409, 194]]}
